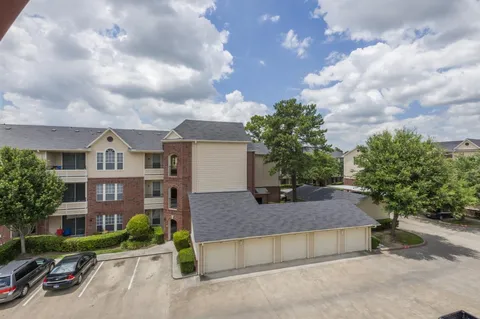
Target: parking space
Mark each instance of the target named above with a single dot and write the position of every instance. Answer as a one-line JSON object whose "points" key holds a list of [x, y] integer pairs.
{"points": [[127, 288]]}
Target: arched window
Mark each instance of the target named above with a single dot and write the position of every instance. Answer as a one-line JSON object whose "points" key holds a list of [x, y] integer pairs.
{"points": [[172, 165], [110, 159], [172, 200]]}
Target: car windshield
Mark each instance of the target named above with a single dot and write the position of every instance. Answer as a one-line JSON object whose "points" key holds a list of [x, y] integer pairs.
{"points": [[64, 267], [4, 282]]}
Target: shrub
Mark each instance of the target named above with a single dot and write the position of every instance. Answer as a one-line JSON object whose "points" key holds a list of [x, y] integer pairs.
{"points": [[138, 227], [375, 242], [95, 241], [135, 244], [43, 243], [181, 239], [9, 251], [186, 258], [385, 223], [158, 236]]}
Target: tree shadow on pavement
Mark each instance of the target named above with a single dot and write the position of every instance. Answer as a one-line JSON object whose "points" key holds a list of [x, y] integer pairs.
{"points": [[436, 222], [437, 247]]}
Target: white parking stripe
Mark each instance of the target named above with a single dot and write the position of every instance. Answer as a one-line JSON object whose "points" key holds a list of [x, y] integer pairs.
{"points": [[133, 276], [33, 295], [91, 278]]}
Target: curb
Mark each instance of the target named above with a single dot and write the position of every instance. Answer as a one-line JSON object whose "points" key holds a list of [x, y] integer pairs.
{"points": [[403, 247]]}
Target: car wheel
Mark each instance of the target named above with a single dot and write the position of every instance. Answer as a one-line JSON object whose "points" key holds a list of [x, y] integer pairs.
{"points": [[94, 261], [80, 279], [24, 291]]}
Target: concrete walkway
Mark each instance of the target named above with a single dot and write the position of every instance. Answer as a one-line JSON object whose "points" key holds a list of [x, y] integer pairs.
{"points": [[166, 248]]}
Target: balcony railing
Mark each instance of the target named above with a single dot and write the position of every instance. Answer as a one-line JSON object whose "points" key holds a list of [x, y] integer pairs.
{"points": [[154, 166], [154, 195]]}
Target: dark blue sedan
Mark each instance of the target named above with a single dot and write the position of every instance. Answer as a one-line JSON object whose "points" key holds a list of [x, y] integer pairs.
{"points": [[70, 271]]}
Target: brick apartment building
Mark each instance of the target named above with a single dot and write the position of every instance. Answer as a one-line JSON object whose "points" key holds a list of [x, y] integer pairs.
{"points": [[113, 174], [9, 11]]}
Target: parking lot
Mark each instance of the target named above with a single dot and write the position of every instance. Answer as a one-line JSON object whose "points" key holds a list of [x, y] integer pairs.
{"points": [[127, 288]]}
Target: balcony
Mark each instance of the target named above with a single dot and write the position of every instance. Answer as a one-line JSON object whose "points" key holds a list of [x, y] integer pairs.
{"points": [[72, 208], [153, 166], [153, 201], [71, 175]]}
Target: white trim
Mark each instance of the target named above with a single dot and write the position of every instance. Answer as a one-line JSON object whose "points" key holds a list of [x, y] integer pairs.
{"points": [[463, 142], [115, 158], [205, 141], [105, 132], [172, 132], [145, 151], [345, 154]]}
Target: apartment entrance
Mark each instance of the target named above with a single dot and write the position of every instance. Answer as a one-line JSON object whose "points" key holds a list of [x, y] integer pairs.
{"points": [[73, 225]]}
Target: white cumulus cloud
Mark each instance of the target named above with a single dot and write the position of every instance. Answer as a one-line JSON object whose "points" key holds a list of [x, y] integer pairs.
{"points": [[268, 17], [292, 42]]}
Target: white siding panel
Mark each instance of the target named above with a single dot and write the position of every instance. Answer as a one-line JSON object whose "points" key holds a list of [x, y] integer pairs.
{"points": [[355, 240], [220, 167], [258, 251], [325, 243], [294, 247], [219, 256], [262, 173]]}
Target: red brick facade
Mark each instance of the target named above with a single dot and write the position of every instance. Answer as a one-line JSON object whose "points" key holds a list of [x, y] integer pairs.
{"points": [[349, 181], [274, 196], [182, 182], [132, 203], [5, 234], [9, 10], [251, 172]]}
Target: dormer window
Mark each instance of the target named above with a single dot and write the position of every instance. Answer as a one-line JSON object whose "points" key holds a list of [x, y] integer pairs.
{"points": [[109, 160]]}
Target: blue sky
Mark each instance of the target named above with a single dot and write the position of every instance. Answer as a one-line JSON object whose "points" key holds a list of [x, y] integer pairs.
{"points": [[150, 64]]}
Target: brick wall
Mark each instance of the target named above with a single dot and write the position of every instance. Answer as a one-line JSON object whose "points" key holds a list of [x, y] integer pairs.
{"points": [[5, 234], [274, 196], [251, 172], [182, 182], [349, 181], [132, 203]]}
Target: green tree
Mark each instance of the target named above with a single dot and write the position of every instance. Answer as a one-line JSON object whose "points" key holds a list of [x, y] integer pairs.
{"points": [[28, 191], [286, 132], [468, 168], [323, 167], [408, 174]]}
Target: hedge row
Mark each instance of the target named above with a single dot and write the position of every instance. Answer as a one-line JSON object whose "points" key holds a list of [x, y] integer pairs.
{"points": [[94, 242], [181, 239], [158, 236], [375, 242], [186, 258], [9, 251]]}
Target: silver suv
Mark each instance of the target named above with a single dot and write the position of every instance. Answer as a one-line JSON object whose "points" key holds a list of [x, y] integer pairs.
{"points": [[18, 276]]}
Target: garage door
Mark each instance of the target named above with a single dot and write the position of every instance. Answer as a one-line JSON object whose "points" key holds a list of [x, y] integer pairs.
{"points": [[325, 243], [258, 251], [219, 256], [355, 240], [294, 247]]}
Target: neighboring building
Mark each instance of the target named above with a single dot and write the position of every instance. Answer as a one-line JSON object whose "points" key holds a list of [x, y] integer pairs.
{"points": [[113, 174], [350, 167], [267, 186], [310, 193], [9, 11], [231, 231], [453, 149]]}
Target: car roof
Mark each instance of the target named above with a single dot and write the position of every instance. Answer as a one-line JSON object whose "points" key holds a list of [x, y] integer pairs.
{"points": [[9, 268], [73, 257]]}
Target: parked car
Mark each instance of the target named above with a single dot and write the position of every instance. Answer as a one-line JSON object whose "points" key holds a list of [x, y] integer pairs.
{"points": [[18, 276], [439, 215], [70, 271]]}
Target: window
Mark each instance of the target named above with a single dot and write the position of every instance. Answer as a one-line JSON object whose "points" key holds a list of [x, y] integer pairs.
{"points": [[156, 161], [108, 192], [156, 217], [172, 165], [119, 191], [119, 160], [73, 160], [100, 192], [157, 189], [75, 193], [109, 222], [173, 198], [109, 159], [99, 161]]}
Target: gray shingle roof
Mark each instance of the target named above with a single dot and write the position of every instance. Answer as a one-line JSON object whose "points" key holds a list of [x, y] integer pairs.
{"points": [[212, 131], [39, 137], [449, 145], [230, 215], [258, 148], [315, 193]]}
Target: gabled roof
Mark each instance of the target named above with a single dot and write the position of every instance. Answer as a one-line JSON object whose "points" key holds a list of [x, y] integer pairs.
{"points": [[231, 215], [108, 130], [449, 146], [317, 193], [212, 131], [39, 137], [258, 148]]}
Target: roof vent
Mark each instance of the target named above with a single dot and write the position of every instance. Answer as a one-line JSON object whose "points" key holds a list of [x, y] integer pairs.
{"points": [[8, 128], [139, 133], [159, 133], [54, 129], [99, 132], [77, 131]]}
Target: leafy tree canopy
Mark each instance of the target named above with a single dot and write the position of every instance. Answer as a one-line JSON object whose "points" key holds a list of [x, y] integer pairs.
{"points": [[286, 132], [28, 191], [323, 167], [468, 169]]}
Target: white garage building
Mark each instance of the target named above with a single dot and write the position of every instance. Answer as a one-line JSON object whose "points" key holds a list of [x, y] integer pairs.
{"points": [[230, 230]]}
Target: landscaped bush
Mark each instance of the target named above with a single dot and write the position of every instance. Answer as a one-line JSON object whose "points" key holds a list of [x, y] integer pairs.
{"points": [[181, 239], [384, 224], [94, 242], [9, 251], [375, 242], [186, 258], [139, 228], [43, 243], [158, 236], [135, 244]]}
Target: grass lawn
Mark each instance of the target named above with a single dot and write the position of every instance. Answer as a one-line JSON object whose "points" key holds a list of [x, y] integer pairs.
{"points": [[110, 250], [404, 238]]}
